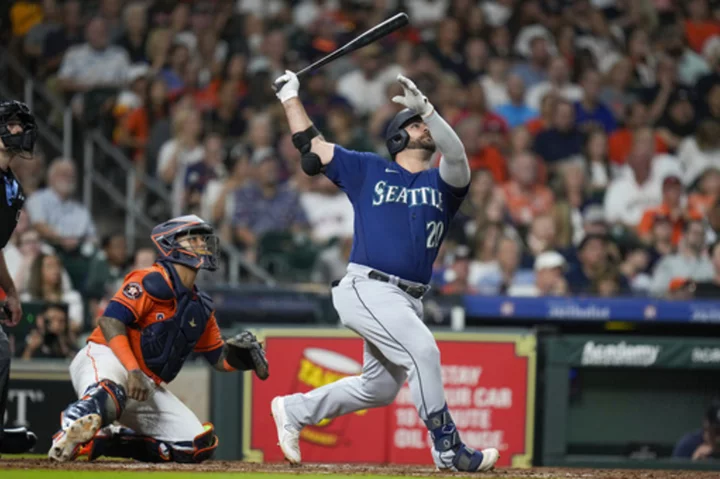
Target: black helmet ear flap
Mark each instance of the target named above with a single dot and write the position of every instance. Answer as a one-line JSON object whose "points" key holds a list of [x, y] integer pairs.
{"points": [[396, 138], [398, 142]]}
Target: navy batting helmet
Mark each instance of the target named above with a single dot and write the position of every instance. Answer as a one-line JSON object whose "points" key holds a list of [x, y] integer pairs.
{"points": [[187, 240], [396, 138], [17, 112]]}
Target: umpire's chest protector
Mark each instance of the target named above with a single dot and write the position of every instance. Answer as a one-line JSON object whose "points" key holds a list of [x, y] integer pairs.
{"points": [[167, 343]]}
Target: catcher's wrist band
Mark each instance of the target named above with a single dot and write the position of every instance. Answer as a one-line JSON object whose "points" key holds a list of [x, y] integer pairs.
{"points": [[121, 347], [227, 367]]}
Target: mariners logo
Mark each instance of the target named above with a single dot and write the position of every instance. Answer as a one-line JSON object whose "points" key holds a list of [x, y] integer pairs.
{"points": [[132, 290]]}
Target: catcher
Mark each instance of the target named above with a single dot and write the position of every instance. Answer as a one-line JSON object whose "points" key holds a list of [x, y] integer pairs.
{"points": [[152, 324]]}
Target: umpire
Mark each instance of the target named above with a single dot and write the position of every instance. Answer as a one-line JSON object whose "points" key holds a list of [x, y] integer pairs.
{"points": [[18, 133]]}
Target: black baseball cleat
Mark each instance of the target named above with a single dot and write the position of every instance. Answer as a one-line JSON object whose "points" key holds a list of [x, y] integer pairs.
{"points": [[17, 441]]}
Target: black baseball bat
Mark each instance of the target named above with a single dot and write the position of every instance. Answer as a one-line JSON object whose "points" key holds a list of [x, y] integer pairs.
{"points": [[375, 33]]}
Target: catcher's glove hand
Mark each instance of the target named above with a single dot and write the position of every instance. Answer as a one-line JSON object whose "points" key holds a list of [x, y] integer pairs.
{"points": [[245, 353]]}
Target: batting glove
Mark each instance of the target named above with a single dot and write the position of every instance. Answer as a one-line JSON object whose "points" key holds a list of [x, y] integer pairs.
{"points": [[286, 86], [413, 98]]}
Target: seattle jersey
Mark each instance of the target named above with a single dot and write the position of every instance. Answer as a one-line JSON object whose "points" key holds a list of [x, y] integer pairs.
{"points": [[400, 217]]}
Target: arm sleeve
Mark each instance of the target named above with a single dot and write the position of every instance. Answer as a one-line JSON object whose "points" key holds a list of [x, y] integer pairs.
{"points": [[130, 302], [454, 167], [347, 169], [211, 339]]}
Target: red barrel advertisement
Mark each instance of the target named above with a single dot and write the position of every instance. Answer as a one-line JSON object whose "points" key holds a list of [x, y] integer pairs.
{"points": [[489, 383]]}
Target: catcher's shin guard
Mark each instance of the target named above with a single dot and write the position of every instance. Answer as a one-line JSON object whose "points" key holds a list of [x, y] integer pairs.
{"points": [[449, 452], [123, 442], [101, 404]]}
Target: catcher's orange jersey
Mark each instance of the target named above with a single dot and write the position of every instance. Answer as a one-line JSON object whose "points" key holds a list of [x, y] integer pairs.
{"points": [[139, 310]]}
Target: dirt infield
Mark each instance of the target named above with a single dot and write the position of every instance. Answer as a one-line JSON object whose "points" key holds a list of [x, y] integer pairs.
{"points": [[352, 469]]}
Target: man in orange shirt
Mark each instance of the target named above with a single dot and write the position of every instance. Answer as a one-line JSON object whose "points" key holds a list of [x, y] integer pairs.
{"points": [[671, 209], [524, 196], [621, 140], [148, 330]]}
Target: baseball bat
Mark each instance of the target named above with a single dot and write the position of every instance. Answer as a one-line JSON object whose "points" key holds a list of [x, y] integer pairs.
{"points": [[374, 34]]}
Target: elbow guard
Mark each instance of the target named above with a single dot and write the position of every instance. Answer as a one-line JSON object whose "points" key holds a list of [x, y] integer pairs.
{"points": [[311, 164], [309, 161]]}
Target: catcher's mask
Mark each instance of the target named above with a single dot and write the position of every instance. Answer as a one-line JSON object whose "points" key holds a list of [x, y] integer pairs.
{"points": [[17, 113], [396, 137], [187, 240]]}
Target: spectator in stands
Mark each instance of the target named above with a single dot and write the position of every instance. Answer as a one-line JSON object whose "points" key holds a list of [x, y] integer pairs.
{"points": [[482, 189], [679, 121], [636, 267], [590, 112], [134, 38], [637, 188], [51, 338], [342, 128], [365, 87], [599, 169], [476, 58], [494, 128], [534, 71], [516, 112], [549, 270], [506, 273], [332, 262], [174, 71], [616, 92], [558, 82], [35, 38], [495, 82], [691, 260], [481, 153], [93, 72], [673, 208], [704, 443], [58, 41], [700, 151], [219, 195], [573, 196], [30, 172], [592, 266], [661, 239], [45, 283], [134, 131], [19, 257], [547, 113], [541, 237], [199, 174], [328, 210], [456, 277], [620, 141], [133, 93], [563, 140], [706, 190], [144, 258], [524, 196], [699, 25], [593, 221], [107, 268], [710, 289], [691, 66], [177, 154], [61, 220], [264, 206], [444, 47]]}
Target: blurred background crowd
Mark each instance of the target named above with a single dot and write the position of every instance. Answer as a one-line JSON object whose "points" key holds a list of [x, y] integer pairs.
{"points": [[592, 128]]}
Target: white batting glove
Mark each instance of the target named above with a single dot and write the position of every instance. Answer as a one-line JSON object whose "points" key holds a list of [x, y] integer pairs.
{"points": [[286, 86], [413, 98]]}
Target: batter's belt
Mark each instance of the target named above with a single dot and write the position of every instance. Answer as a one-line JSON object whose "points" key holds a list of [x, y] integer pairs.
{"points": [[417, 291]]}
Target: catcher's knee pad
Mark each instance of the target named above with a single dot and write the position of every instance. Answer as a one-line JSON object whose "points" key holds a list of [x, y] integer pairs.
{"points": [[104, 398], [125, 443]]}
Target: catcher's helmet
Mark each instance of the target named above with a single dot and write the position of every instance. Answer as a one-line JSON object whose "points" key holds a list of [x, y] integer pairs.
{"points": [[17, 112], [187, 240], [396, 138]]}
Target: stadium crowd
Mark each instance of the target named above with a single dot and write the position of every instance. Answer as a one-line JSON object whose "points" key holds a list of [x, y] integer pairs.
{"points": [[592, 128]]}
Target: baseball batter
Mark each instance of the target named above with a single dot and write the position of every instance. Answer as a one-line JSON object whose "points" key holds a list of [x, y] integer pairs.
{"points": [[153, 323], [402, 211]]}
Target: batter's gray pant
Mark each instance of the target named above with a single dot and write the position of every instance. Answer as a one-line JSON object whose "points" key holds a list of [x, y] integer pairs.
{"points": [[398, 345], [4, 377]]}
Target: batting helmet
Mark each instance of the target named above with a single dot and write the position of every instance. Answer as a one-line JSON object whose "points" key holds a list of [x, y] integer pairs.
{"points": [[187, 240], [17, 112], [396, 138]]}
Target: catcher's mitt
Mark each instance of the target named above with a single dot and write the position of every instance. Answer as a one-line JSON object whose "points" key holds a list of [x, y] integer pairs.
{"points": [[245, 353]]}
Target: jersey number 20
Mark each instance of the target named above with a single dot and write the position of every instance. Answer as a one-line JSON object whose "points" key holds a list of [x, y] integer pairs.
{"points": [[435, 233]]}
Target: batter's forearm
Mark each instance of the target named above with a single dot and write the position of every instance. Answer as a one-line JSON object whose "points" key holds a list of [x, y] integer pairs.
{"points": [[297, 117], [299, 121], [454, 167]]}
